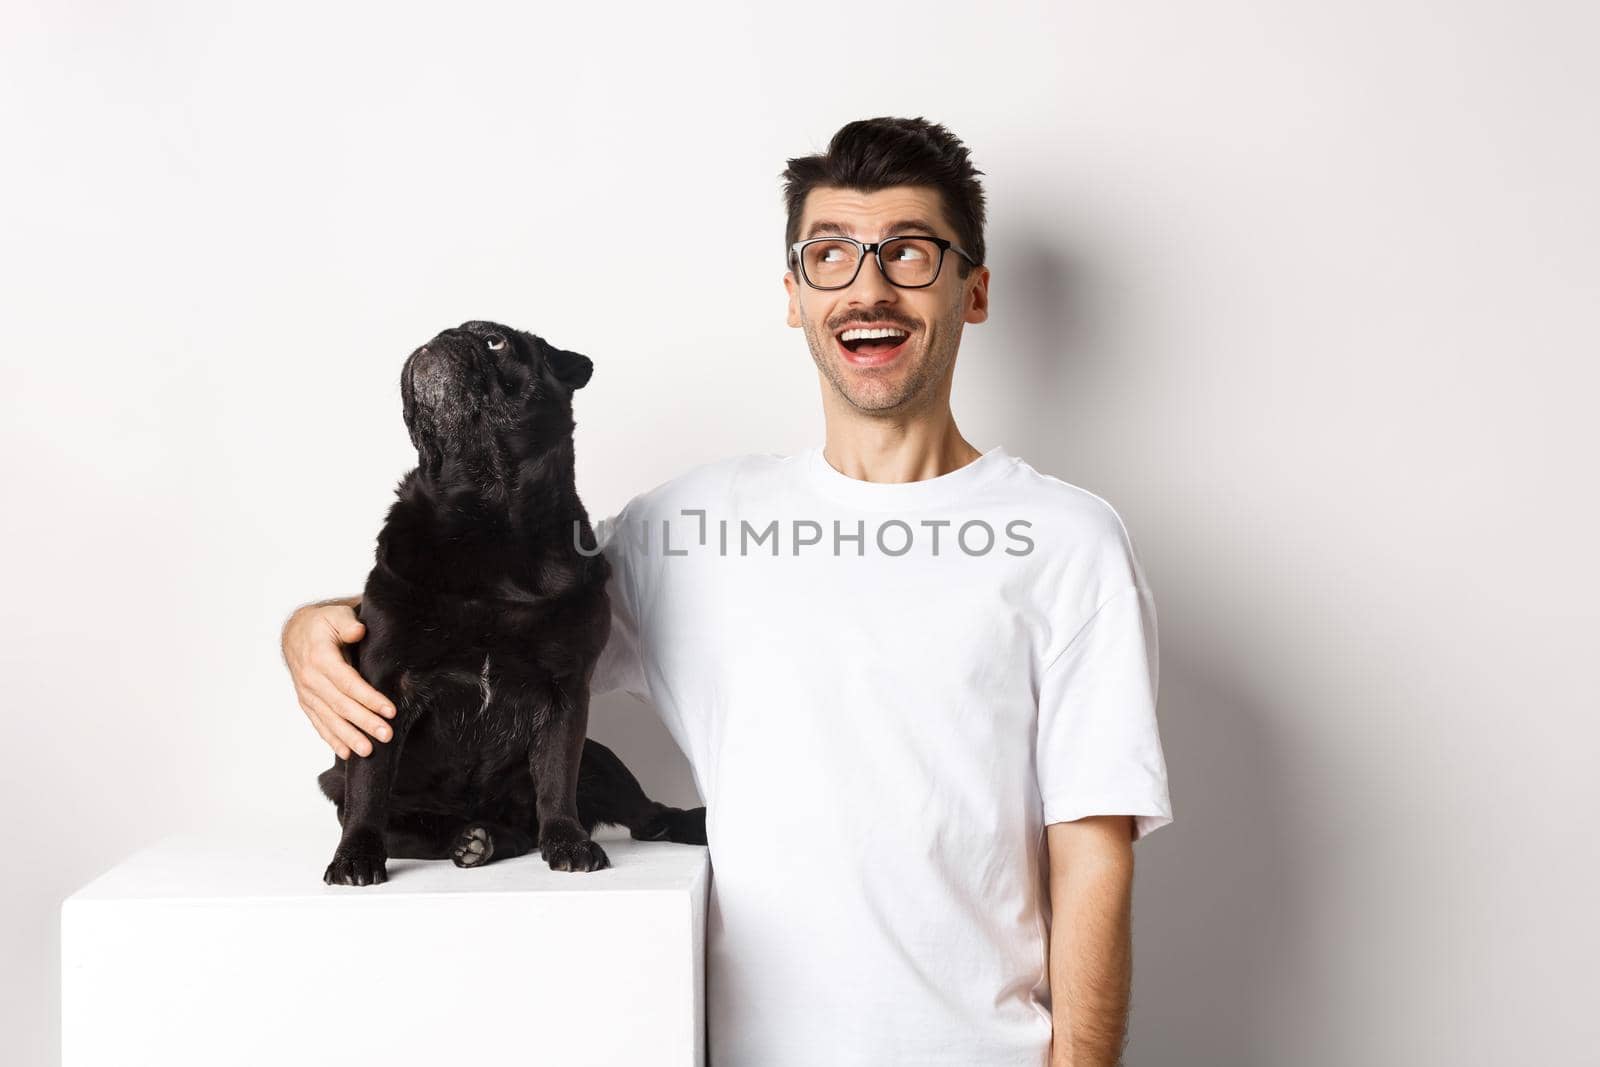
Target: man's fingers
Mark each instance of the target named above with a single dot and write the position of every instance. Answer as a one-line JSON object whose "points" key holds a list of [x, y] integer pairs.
{"points": [[322, 731], [318, 713], [352, 737], [351, 712], [346, 734], [348, 681], [354, 712]]}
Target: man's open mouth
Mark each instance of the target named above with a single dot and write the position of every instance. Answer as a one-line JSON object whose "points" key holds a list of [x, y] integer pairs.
{"points": [[871, 345]]}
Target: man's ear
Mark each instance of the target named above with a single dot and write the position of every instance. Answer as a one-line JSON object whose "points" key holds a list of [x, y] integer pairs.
{"points": [[570, 368]]}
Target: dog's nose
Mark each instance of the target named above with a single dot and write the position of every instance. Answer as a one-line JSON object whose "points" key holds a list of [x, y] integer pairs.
{"points": [[430, 355], [431, 373]]}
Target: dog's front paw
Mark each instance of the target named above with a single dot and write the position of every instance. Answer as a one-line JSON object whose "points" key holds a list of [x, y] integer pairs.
{"points": [[473, 847], [359, 861], [572, 850]]}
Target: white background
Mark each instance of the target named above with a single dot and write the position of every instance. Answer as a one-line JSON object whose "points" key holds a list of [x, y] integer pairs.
{"points": [[1306, 290]]}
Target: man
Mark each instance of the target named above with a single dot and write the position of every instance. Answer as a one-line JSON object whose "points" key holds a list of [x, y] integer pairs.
{"points": [[915, 680]]}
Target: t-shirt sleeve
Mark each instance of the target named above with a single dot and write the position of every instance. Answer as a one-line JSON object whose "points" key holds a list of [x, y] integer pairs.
{"points": [[1098, 748], [621, 666]]}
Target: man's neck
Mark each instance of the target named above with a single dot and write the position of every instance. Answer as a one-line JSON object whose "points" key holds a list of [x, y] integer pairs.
{"points": [[907, 452]]}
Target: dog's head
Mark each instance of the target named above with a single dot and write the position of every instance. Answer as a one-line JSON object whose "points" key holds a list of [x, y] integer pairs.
{"points": [[485, 390]]}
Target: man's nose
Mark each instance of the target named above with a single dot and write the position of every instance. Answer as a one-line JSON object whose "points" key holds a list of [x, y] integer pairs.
{"points": [[870, 286]]}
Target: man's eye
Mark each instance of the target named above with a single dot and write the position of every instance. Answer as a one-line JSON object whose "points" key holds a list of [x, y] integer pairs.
{"points": [[495, 342]]}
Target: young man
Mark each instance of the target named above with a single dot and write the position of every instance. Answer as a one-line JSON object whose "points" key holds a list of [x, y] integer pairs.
{"points": [[915, 680]]}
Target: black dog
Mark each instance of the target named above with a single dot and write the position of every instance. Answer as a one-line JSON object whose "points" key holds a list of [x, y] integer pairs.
{"points": [[484, 622]]}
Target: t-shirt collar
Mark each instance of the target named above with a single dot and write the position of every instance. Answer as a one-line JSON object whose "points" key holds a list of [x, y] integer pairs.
{"points": [[950, 487]]}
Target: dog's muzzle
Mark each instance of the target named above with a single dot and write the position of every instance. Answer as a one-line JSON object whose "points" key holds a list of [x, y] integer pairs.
{"points": [[435, 374]]}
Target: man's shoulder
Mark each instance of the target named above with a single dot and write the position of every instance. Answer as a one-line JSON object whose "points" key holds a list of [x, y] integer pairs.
{"points": [[1059, 501], [1073, 524]]}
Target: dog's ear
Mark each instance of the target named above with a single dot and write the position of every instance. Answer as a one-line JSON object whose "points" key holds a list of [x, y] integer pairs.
{"points": [[571, 369]]}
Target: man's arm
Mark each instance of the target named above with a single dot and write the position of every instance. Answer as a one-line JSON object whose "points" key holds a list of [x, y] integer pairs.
{"points": [[1091, 939]]}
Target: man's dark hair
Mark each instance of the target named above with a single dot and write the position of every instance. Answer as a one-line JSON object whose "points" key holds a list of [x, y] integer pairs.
{"points": [[873, 154]]}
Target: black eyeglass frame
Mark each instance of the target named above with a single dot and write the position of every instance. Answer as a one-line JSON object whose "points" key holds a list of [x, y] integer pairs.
{"points": [[796, 258]]}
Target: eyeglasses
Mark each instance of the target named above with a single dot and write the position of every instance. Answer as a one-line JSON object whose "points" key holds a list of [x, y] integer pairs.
{"points": [[906, 262]]}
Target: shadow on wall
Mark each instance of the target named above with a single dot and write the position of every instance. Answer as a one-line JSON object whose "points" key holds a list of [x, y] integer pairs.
{"points": [[1212, 918], [633, 730], [1049, 326]]}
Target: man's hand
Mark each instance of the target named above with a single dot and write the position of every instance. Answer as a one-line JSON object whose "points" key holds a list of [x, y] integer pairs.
{"points": [[1091, 947], [332, 693]]}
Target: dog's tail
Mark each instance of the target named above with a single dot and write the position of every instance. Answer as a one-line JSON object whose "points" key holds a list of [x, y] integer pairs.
{"points": [[609, 793], [674, 824]]}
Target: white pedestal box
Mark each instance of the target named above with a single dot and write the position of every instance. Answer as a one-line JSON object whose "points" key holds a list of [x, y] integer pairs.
{"points": [[227, 951]]}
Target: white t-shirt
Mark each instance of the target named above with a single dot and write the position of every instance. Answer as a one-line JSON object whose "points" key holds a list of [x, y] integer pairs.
{"points": [[885, 691]]}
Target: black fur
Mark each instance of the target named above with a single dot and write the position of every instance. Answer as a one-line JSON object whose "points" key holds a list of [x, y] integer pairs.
{"points": [[484, 622]]}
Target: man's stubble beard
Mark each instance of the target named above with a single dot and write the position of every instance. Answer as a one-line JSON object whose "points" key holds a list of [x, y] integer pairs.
{"points": [[912, 392]]}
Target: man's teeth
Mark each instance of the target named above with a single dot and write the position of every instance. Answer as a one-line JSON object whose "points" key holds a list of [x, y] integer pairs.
{"points": [[867, 335]]}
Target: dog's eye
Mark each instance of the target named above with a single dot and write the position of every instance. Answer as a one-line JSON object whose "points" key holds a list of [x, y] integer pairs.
{"points": [[495, 342]]}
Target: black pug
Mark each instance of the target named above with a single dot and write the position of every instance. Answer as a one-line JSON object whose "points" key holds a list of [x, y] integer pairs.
{"points": [[484, 622]]}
